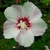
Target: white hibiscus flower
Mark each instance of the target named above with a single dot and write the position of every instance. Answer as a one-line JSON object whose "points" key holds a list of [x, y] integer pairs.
{"points": [[23, 23], [47, 48]]}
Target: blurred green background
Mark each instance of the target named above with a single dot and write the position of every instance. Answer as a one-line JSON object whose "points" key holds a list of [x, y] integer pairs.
{"points": [[40, 42]]}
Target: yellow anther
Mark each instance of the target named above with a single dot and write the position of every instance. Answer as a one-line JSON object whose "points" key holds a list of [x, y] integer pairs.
{"points": [[23, 25]]}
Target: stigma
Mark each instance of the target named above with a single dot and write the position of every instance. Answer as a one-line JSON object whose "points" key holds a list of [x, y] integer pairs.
{"points": [[23, 23]]}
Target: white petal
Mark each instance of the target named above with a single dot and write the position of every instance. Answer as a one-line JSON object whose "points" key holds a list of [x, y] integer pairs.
{"points": [[39, 27], [10, 30], [20, 9], [8, 24], [26, 39], [11, 14], [32, 11], [37, 14], [47, 48]]}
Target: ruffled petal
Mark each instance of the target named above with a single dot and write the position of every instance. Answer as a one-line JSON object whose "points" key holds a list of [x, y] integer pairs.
{"points": [[25, 38], [10, 31], [38, 27], [11, 14], [32, 11]]}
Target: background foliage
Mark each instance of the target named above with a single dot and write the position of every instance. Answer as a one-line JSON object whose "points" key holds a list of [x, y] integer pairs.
{"points": [[40, 42]]}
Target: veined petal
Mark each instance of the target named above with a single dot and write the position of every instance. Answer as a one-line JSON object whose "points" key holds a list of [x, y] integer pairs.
{"points": [[20, 9], [39, 27], [37, 14], [32, 11], [26, 38], [10, 31], [8, 24], [11, 14]]}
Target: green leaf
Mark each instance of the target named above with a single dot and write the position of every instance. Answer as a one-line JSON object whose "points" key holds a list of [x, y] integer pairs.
{"points": [[4, 44], [41, 43], [7, 44], [46, 36], [2, 20], [46, 1], [34, 46], [12, 43], [48, 43], [38, 45], [9, 2]]}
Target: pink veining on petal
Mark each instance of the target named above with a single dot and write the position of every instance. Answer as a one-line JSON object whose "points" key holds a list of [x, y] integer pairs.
{"points": [[37, 13], [17, 7], [8, 24], [19, 37]]}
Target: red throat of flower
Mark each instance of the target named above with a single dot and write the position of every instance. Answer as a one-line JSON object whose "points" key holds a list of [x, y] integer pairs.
{"points": [[25, 21]]}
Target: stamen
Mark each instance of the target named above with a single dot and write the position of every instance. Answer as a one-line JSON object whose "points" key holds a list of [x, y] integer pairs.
{"points": [[23, 23]]}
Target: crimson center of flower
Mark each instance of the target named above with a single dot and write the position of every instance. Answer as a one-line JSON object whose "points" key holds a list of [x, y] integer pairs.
{"points": [[23, 23]]}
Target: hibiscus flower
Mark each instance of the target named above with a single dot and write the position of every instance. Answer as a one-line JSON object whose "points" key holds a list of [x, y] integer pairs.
{"points": [[47, 48], [23, 23]]}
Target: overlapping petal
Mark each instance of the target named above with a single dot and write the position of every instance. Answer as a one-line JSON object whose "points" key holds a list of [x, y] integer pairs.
{"points": [[11, 14], [10, 31], [25, 38], [20, 9], [39, 27], [15, 11], [32, 11]]}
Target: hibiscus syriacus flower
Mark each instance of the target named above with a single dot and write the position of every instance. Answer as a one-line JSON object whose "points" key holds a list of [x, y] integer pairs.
{"points": [[47, 48], [23, 23]]}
